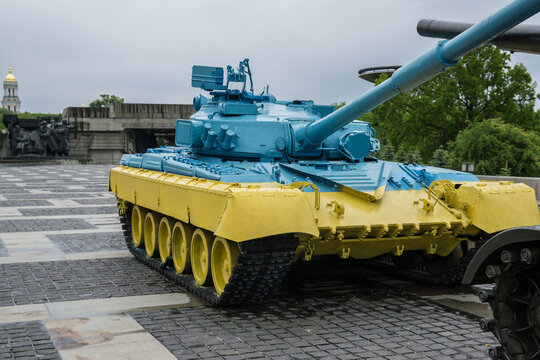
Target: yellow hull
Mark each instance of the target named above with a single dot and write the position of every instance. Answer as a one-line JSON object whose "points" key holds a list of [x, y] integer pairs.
{"points": [[342, 223]]}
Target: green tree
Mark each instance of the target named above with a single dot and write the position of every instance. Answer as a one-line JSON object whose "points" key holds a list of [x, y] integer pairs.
{"points": [[506, 171], [401, 155], [482, 86], [106, 100], [339, 104], [494, 145], [389, 153], [413, 157]]}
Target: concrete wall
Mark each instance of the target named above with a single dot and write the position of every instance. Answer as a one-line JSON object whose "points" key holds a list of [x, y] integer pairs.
{"points": [[132, 111], [104, 134]]}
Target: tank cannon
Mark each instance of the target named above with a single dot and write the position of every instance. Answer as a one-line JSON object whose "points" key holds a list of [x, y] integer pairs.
{"points": [[255, 183]]}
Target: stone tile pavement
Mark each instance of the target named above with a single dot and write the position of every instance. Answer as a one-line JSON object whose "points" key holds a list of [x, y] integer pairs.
{"points": [[370, 327], [26, 340]]}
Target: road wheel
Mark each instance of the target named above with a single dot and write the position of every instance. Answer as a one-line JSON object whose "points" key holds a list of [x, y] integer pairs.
{"points": [[164, 239], [181, 244], [137, 220], [224, 256], [150, 234], [201, 244]]}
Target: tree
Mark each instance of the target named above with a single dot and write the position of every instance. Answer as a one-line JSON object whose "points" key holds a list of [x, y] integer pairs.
{"points": [[401, 155], [413, 157], [338, 105], [482, 86], [440, 158], [506, 171], [389, 154], [497, 147], [106, 100]]}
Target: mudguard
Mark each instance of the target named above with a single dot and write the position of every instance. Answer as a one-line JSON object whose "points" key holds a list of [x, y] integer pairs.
{"points": [[475, 273]]}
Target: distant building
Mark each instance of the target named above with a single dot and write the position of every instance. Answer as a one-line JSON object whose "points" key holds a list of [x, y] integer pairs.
{"points": [[102, 135], [11, 101]]}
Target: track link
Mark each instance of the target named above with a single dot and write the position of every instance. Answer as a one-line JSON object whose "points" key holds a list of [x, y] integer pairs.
{"points": [[260, 269], [453, 274], [515, 303]]}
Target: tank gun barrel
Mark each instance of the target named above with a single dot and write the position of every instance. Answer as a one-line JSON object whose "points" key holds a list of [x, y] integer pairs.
{"points": [[522, 38], [428, 65]]}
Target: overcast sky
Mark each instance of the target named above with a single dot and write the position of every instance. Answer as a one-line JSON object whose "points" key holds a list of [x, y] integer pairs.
{"points": [[66, 53]]}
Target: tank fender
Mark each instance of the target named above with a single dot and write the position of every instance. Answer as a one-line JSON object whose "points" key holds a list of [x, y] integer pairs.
{"points": [[475, 273]]}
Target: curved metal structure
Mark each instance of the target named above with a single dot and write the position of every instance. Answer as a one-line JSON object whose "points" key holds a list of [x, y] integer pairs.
{"points": [[371, 74]]}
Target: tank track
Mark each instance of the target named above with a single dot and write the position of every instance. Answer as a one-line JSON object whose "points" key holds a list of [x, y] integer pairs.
{"points": [[261, 267], [452, 275], [515, 303]]}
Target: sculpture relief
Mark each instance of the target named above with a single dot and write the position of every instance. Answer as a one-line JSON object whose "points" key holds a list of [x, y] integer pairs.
{"points": [[40, 136]]}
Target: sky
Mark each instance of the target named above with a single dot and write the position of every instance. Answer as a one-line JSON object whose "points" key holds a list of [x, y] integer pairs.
{"points": [[66, 53]]}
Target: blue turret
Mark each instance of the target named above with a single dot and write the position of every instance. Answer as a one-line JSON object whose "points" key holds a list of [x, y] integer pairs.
{"points": [[237, 123]]}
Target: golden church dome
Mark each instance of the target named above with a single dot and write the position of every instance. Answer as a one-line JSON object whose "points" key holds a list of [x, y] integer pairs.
{"points": [[10, 76]]}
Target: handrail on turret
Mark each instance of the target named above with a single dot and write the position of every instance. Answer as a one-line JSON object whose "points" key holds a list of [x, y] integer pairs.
{"points": [[428, 65]]}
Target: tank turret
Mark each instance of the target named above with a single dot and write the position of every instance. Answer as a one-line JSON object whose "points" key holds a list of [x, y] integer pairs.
{"points": [[237, 123]]}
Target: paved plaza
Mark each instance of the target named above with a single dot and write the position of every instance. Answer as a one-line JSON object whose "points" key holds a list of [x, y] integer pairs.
{"points": [[70, 290]]}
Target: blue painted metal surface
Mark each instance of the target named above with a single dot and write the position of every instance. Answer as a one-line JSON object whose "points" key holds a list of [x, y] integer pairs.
{"points": [[239, 136]]}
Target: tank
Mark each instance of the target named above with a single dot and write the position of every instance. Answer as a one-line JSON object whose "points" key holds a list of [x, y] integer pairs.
{"points": [[254, 184]]}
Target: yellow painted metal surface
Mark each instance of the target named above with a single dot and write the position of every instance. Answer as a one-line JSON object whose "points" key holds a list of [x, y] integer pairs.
{"points": [[495, 206], [345, 223], [235, 212], [351, 226]]}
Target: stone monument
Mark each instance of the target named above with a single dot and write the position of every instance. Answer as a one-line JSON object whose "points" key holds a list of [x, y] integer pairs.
{"points": [[37, 137]]}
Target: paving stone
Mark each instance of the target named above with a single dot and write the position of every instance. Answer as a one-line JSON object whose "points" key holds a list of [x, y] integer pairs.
{"points": [[76, 243], [94, 210], [3, 250], [42, 282], [77, 195], [23, 225], [26, 340], [17, 203], [55, 188], [253, 328], [96, 201]]}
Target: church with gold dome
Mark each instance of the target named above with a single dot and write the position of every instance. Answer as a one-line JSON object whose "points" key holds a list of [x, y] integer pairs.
{"points": [[11, 101]]}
